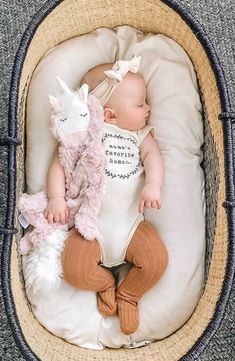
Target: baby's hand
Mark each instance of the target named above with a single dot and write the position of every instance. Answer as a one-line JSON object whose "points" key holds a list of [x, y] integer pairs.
{"points": [[56, 211], [150, 197]]}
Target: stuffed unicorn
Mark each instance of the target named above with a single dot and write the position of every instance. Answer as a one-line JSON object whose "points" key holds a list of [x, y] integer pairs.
{"points": [[79, 131], [77, 123]]}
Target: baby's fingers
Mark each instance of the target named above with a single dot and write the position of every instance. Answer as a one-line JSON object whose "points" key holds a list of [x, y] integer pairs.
{"points": [[57, 217], [141, 206], [64, 216], [50, 218], [154, 204], [148, 204]]}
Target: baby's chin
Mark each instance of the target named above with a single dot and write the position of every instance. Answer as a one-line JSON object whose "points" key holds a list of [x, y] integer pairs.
{"points": [[142, 125]]}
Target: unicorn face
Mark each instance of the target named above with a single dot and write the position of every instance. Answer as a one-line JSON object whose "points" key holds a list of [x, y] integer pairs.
{"points": [[73, 116], [70, 109]]}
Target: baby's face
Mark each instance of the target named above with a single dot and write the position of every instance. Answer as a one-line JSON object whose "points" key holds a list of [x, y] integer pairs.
{"points": [[129, 103]]}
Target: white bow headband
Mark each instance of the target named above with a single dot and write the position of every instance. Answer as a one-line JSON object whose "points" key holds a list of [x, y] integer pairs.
{"points": [[104, 90]]}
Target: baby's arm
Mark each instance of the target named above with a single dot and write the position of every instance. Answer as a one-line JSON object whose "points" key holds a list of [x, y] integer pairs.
{"points": [[154, 172], [56, 210]]}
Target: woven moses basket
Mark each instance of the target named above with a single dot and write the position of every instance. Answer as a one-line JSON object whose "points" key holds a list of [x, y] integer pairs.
{"points": [[56, 22]]}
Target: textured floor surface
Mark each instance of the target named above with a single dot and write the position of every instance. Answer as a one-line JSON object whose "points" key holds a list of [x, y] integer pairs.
{"points": [[218, 19]]}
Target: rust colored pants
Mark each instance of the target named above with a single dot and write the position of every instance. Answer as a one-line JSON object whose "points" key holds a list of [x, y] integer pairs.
{"points": [[148, 256]]}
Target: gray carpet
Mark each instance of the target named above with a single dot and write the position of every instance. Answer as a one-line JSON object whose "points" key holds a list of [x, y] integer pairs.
{"points": [[218, 19]]}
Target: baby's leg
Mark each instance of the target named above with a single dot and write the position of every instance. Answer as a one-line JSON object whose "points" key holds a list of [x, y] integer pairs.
{"points": [[80, 263], [149, 257]]}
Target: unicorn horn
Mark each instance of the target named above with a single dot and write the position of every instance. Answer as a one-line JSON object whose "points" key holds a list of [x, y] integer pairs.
{"points": [[64, 86], [83, 92]]}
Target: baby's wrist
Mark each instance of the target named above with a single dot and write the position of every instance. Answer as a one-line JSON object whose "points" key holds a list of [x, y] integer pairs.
{"points": [[56, 197], [153, 184]]}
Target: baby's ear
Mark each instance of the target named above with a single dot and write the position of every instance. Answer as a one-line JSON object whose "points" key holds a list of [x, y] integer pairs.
{"points": [[55, 103], [110, 116]]}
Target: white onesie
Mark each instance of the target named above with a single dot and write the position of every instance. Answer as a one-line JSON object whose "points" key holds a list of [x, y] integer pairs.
{"points": [[118, 217]]}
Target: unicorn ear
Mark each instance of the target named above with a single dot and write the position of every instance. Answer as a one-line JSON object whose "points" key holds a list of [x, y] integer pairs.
{"points": [[83, 92], [64, 86], [55, 103]]}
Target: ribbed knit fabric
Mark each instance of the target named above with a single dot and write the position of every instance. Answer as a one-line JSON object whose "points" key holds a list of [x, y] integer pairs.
{"points": [[106, 301], [149, 257], [81, 269], [80, 263]]}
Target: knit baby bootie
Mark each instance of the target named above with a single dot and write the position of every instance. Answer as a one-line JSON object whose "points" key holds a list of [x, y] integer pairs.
{"points": [[106, 300], [128, 315]]}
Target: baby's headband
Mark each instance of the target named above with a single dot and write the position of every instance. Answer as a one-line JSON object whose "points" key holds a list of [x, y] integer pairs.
{"points": [[104, 90]]}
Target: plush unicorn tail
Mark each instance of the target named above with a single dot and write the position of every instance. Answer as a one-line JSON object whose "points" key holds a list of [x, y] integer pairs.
{"points": [[42, 266]]}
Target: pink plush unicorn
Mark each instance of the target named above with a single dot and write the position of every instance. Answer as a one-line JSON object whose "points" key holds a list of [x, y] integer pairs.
{"points": [[79, 130], [77, 124]]}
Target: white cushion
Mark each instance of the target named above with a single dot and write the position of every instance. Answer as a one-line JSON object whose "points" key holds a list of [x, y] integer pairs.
{"points": [[176, 116]]}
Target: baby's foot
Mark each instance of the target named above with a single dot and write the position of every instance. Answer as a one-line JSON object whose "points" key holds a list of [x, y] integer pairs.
{"points": [[107, 303], [128, 316]]}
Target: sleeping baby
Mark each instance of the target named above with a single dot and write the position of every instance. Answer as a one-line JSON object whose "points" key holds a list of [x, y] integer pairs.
{"points": [[134, 175]]}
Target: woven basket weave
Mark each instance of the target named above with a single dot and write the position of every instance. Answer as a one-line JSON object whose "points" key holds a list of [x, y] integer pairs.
{"points": [[56, 22]]}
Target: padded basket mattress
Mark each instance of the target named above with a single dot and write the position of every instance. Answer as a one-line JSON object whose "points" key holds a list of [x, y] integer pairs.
{"points": [[56, 22]]}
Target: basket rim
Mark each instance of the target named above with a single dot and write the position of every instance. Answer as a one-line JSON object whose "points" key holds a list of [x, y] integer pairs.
{"points": [[11, 141]]}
